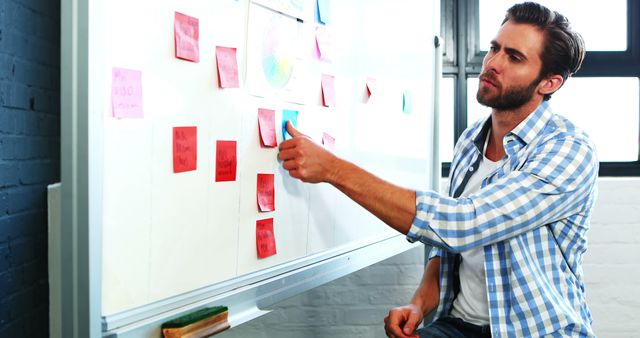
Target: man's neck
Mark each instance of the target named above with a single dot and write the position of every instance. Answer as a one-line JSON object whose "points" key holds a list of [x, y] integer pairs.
{"points": [[502, 122]]}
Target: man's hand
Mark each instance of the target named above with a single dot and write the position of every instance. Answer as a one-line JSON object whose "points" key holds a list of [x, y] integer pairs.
{"points": [[305, 159], [401, 322]]}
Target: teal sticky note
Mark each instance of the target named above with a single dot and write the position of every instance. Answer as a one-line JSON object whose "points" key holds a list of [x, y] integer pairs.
{"points": [[406, 102], [324, 13], [288, 115]]}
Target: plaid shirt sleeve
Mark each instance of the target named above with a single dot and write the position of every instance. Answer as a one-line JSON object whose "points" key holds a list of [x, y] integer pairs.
{"points": [[554, 182]]}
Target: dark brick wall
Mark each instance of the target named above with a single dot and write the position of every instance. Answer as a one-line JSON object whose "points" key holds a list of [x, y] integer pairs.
{"points": [[29, 159]]}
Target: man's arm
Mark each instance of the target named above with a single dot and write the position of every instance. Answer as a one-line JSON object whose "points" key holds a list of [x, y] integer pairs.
{"points": [[309, 162], [402, 321]]}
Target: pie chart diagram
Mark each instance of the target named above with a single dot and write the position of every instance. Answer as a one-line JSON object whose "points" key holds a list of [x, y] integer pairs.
{"points": [[277, 62]]}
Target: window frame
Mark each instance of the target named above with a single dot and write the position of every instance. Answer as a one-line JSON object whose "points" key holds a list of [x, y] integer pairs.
{"points": [[462, 59]]}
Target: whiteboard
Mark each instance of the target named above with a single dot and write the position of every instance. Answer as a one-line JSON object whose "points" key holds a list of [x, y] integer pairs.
{"points": [[166, 235]]}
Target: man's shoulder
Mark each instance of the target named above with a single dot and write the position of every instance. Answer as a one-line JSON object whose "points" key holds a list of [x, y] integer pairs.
{"points": [[560, 127]]}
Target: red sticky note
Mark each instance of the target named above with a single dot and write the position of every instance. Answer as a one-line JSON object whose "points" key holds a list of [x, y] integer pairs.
{"points": [[265, 192], [185, 149], [186, 35], [126, 93], [227, 67], [371, 83], [265, 238], [328, 141], [226, 161], [267, 127], [328, 91]]}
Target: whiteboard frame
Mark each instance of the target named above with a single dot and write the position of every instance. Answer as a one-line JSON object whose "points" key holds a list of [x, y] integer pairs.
{"points": [[81, 225]]}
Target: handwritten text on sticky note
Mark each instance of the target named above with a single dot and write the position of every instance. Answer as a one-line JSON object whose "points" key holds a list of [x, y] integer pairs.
{"points": [[328, 91], [324, 43], [226, 161], [265, 238], [185, 154], [186, 35], [126, 93], [265, 192], [267, 127], [227, 67]]}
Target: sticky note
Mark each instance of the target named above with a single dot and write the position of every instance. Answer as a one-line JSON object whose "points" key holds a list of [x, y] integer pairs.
{"points": [[226, 161], [185, 154], [267, 127], [126, 93], [328, 141], [288, 115], [227, 67], [186, 35], [265, 238], [324, 43], [324, 14], [406, 102], [371, 84], [265, 193], [328, 91]]}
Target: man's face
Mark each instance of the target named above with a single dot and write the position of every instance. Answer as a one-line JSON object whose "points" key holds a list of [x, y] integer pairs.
{"points": [[511, 68]]}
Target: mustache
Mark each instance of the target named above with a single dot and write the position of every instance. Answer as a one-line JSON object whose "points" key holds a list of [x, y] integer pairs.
{"points": [[489, 76]]}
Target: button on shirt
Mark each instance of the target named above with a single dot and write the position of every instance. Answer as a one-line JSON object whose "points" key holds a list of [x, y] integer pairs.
{"points": [[532, 221]]}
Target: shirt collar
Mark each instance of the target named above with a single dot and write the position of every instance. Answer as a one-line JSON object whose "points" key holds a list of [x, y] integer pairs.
{"points": [[526, 130]]}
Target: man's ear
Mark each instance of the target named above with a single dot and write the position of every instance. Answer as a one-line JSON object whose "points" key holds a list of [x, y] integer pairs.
{"points": [[550, 84]]}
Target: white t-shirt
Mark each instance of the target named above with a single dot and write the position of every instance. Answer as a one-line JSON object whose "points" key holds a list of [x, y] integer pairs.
{"points": [[471, 304]]}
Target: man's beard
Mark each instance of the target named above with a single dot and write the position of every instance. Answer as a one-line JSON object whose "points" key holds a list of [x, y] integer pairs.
{"points": [[510, 99]]}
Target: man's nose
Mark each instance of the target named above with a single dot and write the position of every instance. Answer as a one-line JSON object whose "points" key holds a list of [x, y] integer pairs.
{"points": [[494, 62]]}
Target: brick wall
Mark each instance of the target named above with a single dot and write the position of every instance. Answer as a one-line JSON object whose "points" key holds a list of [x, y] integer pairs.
{"points": [[355, 305], [29, 159], [612, 263]]}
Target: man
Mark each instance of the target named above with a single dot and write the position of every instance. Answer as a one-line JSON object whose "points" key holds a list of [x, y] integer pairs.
{"points": [[509, 241]]}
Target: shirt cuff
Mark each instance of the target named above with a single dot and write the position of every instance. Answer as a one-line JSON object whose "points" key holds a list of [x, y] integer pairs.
{"points": [[420, 224]]}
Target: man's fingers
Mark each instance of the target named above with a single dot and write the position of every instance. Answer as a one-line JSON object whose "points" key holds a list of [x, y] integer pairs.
{"points": [[287, 154], [410, 325], [293, 131], [289, 164], [392, 326]]}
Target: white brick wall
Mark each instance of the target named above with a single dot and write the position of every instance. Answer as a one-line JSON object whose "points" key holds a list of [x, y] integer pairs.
{"points": [[354, 306], [612, 263]]}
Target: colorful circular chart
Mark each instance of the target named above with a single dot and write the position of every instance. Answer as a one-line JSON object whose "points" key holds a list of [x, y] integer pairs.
{"points": [[277, 62]]}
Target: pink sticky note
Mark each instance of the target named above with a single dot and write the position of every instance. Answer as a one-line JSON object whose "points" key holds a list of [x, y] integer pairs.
{"points": [[371, 84], [126, 93], [265, 238], [328, 141], [185, 146], [226, 161], [323, 43], [328, 91], [227, 67], [265, 193], [186, 35], [266, 127]]}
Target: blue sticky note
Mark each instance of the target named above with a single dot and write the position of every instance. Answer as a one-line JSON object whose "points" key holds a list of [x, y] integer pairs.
{"points": [[288, 115], [406, 102], [324, 14]]}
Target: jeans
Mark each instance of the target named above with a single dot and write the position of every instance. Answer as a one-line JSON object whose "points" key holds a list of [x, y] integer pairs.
{"points": [[450, 327]]}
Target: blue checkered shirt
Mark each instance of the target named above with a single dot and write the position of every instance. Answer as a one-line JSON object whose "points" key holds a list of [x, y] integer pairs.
{"points": [[531, 216]]}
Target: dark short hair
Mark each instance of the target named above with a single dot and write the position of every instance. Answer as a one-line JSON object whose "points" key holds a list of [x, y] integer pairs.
{"points": [[563, 49]]}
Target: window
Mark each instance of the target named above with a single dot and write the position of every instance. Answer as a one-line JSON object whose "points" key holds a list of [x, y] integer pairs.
{"points": [[608, 84]]}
